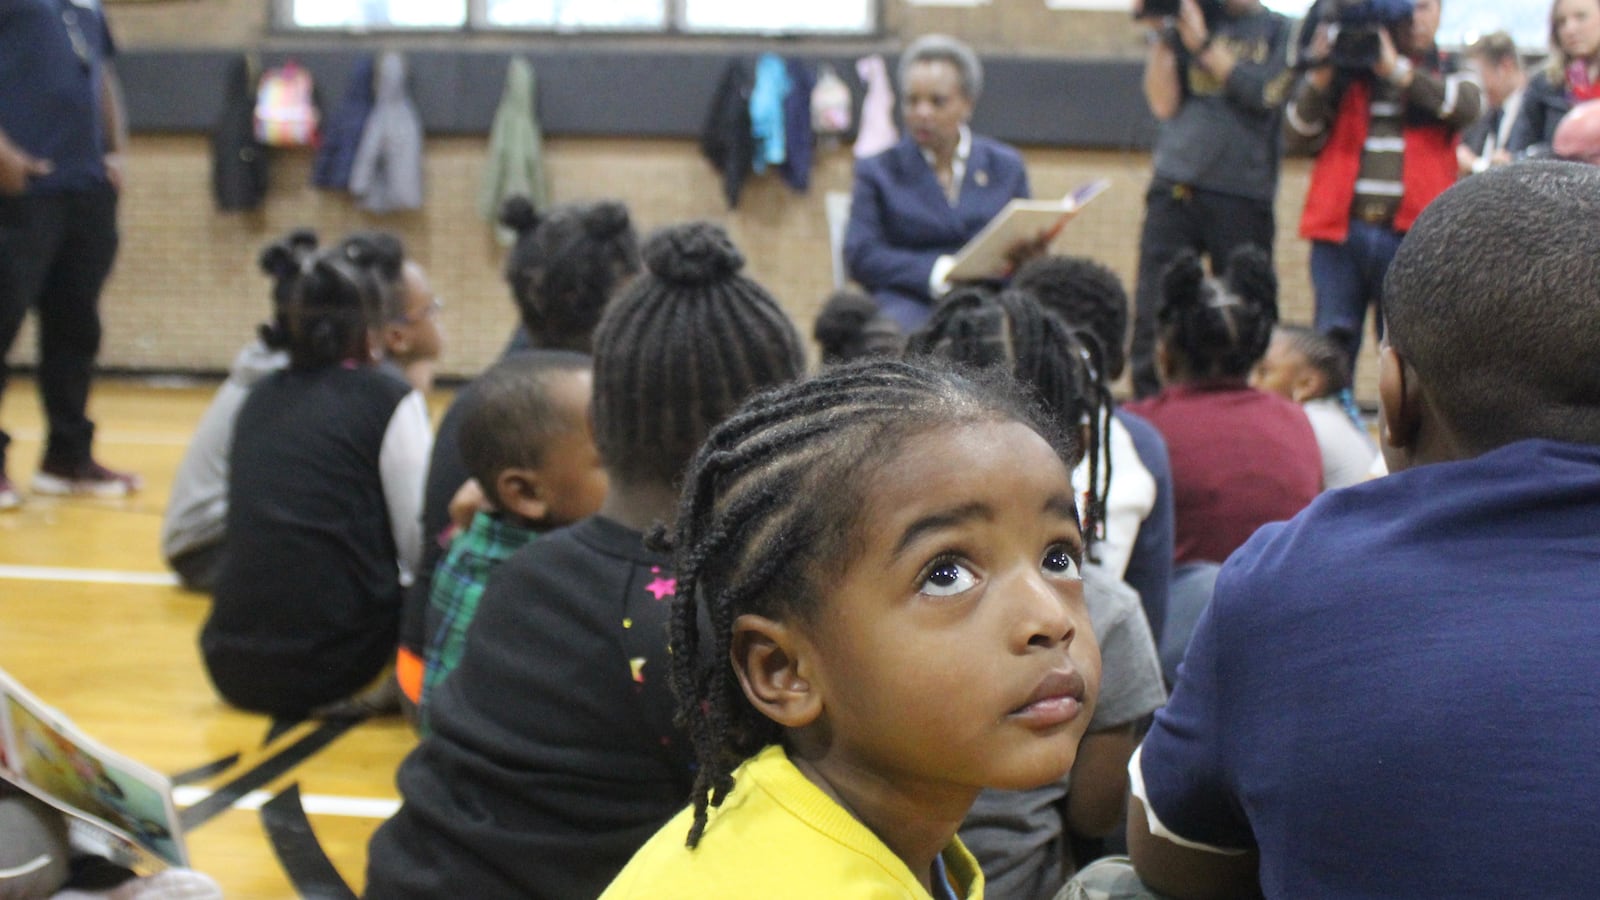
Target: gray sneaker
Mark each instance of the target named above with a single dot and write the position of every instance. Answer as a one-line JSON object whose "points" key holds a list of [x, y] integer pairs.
{"points": [[88, 480]]}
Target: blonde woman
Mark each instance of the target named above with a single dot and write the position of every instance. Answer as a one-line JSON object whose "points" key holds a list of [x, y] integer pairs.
{"points": [[1572, 76]]}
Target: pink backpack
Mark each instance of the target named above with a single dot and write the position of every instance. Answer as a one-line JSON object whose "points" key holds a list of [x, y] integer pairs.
{"points": [[286, 115]]}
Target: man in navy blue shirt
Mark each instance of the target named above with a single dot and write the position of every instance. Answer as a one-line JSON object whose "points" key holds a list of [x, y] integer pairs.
{"points": [[1395, 693], [61, 137]]}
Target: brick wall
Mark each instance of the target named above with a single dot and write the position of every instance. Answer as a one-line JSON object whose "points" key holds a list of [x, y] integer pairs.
{"points": [[186, 294]]}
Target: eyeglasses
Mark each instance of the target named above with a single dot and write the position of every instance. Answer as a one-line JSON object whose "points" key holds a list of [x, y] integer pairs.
{"points": [[431, 311]]}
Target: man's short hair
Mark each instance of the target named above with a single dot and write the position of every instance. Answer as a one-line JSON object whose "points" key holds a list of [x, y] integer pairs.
{"points": [[1494, 300], [1495, 48]]}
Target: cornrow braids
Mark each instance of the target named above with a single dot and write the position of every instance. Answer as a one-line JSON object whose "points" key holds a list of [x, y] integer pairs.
{"points": [[1218, 328], [1322, 353], [1087, 296], [772, 500], [565, 266], [282, 261], [680, 349], [1013, 332]]}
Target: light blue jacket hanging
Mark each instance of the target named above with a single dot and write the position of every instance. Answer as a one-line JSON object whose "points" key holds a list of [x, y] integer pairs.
{"points": [[766, 111]]}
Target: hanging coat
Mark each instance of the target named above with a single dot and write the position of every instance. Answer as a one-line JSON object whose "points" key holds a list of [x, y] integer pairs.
{"points": [[387, 173], [766, 111], [516, 148], [341, 132], [797, 133], [877, 132], [238, 160], [726, 140]]}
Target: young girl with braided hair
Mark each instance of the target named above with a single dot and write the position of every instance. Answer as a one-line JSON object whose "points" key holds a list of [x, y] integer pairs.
{"points": [[1311, 369], [553, 754], [879, 614], [1022, 838], [1240, 457], [324, 492]]}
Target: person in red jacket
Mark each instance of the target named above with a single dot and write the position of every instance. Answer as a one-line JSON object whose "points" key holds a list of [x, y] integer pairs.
{"points": [[1385, 136]]}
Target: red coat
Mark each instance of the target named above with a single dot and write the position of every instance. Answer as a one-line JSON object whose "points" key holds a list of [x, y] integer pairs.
{"points": [[1429, 168]]}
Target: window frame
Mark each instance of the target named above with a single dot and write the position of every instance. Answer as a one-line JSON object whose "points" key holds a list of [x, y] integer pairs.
{"points": [[673, 26]]}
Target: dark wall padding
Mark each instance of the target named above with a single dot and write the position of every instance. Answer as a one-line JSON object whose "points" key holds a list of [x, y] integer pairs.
{"points": [[626, 93]]}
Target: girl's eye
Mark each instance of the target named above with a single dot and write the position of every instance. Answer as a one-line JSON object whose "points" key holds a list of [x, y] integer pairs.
{"points": [[1058, 561], [947, 578]]}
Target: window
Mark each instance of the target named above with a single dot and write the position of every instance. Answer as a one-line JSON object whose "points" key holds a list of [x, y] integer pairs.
{"points": [[1462, 21], [687, 16]]}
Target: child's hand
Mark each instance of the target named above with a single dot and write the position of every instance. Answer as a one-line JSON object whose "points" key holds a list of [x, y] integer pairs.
{"points": [[468, 502]]}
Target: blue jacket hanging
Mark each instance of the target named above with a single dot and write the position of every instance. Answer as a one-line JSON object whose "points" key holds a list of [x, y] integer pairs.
{"points": [[766, 111], [798, 137], [341, 131]]}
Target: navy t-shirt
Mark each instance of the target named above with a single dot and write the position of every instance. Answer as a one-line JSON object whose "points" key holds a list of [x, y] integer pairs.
{"points": [[50, 57], [1396, 693]]}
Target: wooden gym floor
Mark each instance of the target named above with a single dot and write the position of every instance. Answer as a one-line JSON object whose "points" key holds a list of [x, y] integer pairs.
{"points": [[92, 623]]}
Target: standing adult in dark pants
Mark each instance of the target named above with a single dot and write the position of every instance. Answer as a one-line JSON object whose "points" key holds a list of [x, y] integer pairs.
{"points": [[1215, 75], [61, 136]]}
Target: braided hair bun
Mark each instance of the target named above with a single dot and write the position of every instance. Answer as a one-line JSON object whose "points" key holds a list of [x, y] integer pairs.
{"points": [[695, 255], [518, 214], [606, 220]]}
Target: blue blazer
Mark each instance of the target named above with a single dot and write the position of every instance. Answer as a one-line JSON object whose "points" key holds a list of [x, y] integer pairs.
{"points": [[901, 222]]}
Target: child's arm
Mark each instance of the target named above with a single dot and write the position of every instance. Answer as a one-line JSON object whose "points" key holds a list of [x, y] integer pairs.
{"points": [[1099, 792]]}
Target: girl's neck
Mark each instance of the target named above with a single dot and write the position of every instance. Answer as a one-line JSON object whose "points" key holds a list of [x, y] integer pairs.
{"points": [[640, 506], [915, 821]]}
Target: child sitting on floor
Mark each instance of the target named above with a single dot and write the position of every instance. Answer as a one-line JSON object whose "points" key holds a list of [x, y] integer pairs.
{"points": [[870, 628], [1311, 369], [526, 439], [1021, 838]]}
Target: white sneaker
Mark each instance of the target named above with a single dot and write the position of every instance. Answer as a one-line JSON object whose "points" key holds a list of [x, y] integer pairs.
{"points": [[89, 480], [9, 498]]}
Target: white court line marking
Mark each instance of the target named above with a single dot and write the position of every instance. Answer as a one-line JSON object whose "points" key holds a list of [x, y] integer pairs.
{"points": [[88, 576], [314, 804]]}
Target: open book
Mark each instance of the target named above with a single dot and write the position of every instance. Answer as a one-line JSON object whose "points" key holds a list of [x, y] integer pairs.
{"points": [[984, 257], [116, 808]]}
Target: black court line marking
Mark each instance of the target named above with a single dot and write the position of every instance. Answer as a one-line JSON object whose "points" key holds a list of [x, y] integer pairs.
{"points": [[266, 772], [304, 861], [207, 771], [280, 727]]}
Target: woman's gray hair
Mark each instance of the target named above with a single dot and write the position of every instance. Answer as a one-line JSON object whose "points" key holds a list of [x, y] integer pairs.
{"points": [[943, 47]]}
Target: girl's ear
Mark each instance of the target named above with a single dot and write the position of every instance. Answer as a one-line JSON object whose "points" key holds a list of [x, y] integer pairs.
{"points": [[1309, 384], [772, 660]]}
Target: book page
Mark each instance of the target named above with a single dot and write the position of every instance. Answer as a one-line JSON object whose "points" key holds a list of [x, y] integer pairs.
{"points": [[984, 258]]}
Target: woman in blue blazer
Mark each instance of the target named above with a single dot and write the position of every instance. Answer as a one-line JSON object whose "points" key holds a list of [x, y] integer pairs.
{"points": [[915, 204]]}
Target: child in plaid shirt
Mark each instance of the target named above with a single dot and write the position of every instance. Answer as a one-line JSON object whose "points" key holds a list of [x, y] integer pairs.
{"points": [[526, 440]]}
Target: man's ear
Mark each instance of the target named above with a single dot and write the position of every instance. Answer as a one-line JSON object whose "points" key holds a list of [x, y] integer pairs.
{"points": [[1399, 403], [772, 662], [519, 491]]}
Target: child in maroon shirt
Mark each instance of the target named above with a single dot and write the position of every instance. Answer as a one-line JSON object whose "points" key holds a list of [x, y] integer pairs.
{"points": [[1240, 457]]}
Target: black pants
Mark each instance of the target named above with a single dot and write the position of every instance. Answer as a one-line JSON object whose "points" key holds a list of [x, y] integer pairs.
{"points": [[55, 253], [1178, 218]]}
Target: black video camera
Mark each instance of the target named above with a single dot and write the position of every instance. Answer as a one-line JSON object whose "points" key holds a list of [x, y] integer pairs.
{"points": [[1211, 9], [1357, 22]]}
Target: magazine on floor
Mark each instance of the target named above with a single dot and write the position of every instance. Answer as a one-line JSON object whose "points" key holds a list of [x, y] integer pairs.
{"points": [[116, 808]]}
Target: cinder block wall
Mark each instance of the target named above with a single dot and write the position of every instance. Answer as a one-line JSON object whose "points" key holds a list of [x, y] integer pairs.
{"points": [[185, 294]]}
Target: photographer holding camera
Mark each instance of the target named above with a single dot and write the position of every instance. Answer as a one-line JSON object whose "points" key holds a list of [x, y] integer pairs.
{"points": [[1382, 110], [1215, 76]]}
